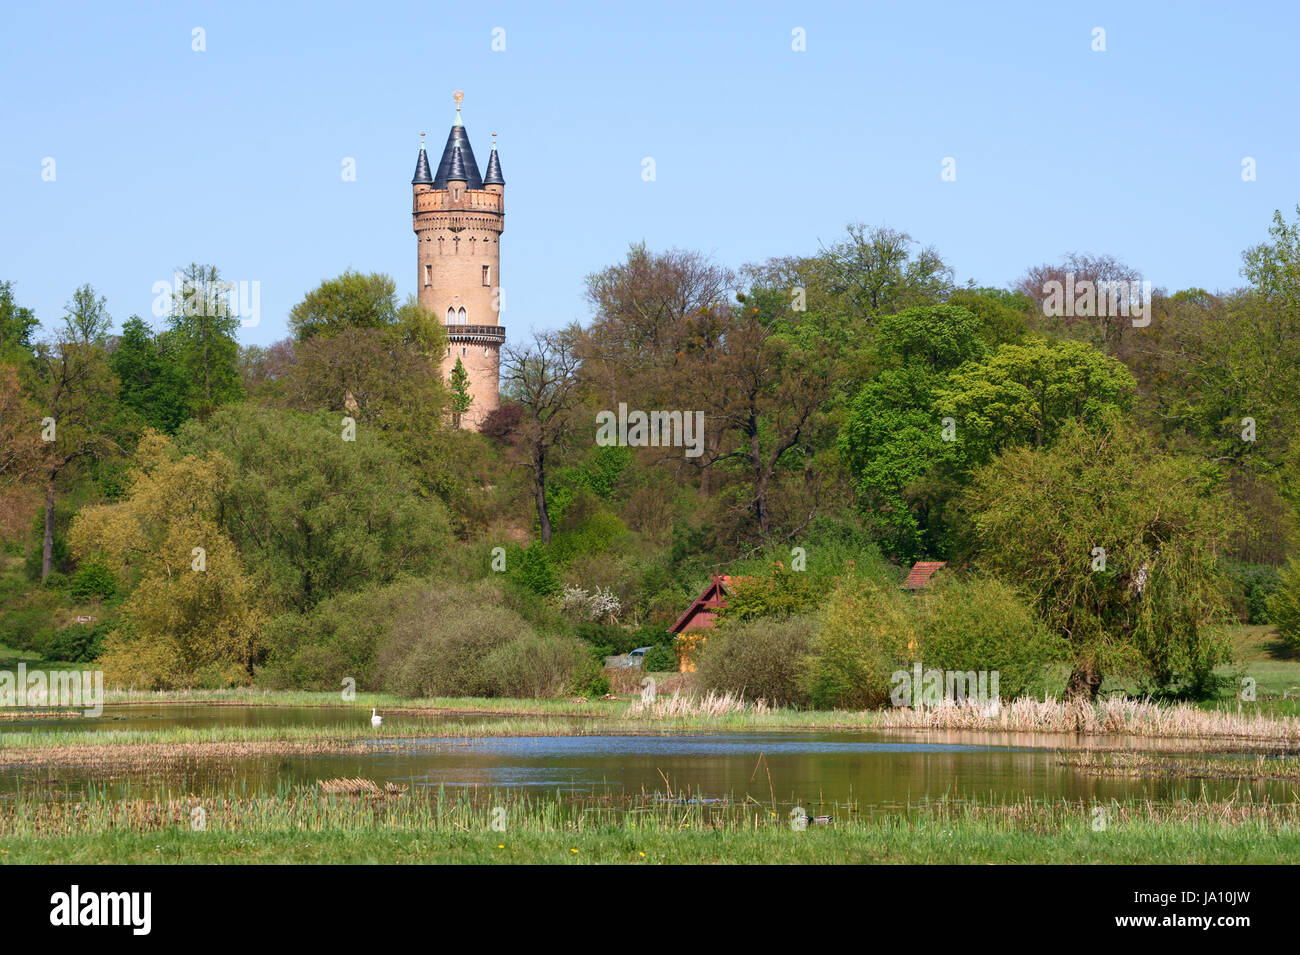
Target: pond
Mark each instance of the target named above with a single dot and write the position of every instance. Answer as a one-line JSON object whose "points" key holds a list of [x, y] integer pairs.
{"points": [[870, 770]]}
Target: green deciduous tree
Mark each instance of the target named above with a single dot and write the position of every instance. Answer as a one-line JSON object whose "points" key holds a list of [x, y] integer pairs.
{"points": [[17, 325], [1284, 604], [876, 272], [202, 329], [1025, 394], [893, 442], [352, 300], [86, 320], [153, 385], [315, 507], [1117, 545], [75, 394], [193, 615]]}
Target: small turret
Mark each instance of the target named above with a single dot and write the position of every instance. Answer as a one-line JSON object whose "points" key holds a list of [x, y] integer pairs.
{"points": [[423, 175], [494, 181], [422, 181]]}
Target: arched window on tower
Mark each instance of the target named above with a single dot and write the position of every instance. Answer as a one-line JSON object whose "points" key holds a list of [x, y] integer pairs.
{"points": [[461, 316], [451, 316]]}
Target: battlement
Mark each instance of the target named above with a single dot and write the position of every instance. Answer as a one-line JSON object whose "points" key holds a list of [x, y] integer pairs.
{"points": [[471, 200]]}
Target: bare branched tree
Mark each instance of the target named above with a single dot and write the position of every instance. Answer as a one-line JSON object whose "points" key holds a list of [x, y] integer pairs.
{"points": [[542, 375]]}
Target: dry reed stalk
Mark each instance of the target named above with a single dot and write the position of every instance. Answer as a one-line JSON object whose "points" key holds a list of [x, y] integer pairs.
{"points": [[359, 787], [710, 705], [1114, 716]]}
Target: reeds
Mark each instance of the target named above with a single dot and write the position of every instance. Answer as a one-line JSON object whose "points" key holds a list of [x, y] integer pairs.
{"points": [[359, 806], [676, 706], [1113, 716], [359, 787], [1199, 766]]}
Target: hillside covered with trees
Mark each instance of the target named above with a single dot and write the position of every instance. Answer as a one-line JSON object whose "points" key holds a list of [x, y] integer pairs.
{"points": [[1110, 493]]}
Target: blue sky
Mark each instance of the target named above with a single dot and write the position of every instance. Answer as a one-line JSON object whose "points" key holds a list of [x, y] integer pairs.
{"points": [[233, 156]]}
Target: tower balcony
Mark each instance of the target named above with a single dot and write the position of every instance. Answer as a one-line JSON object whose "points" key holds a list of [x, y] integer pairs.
{"points": [[476, 333]]}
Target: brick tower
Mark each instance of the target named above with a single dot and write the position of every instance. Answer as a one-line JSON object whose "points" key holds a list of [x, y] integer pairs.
{"points": [[459, 217]]}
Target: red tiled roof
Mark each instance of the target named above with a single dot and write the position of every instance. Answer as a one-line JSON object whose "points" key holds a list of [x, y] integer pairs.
{"points": [[921, 573], [723, 584]]}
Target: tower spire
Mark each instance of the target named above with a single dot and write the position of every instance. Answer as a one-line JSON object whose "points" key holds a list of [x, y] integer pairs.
{"points": [[423, 175], [494, 177], [458, 138]]}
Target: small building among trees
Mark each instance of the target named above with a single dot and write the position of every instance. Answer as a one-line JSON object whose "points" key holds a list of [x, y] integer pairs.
{"points": [[702, 614], [918, 578]]}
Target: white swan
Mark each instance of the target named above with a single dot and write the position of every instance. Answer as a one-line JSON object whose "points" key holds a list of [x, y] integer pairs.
{"points": [[375, 718]]}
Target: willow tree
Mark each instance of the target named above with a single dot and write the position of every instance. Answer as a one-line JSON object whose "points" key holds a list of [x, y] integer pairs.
{"points": [[1117, 544], [193, 616]]}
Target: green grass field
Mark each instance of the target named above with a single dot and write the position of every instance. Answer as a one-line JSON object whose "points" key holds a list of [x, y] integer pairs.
{"points": [[362, 832]]}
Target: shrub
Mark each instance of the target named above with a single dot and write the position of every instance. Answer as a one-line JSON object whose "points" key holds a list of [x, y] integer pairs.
{"points": [[593, 532], [92, 581], [543, 613], [868, 633], [532, 568], [599, 604], [27, 629], [778, 594], [660, 658], [55, 581], [1284, 604], [338, 639], [607, 640], [540, 666], [596, 686], [1255, 584], [78, 642], [439, 644], [761, 659], [980, 624]]}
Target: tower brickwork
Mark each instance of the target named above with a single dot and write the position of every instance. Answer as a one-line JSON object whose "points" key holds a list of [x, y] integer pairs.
{"points": [[459, 216]]}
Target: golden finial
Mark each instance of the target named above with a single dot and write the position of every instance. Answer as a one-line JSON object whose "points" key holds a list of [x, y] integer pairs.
{"points": [[458, 96], [421, 140], [494, 140]]}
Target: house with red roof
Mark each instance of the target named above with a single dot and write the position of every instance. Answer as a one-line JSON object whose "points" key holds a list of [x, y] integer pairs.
{"points": [[701, 615], [703, 611]]}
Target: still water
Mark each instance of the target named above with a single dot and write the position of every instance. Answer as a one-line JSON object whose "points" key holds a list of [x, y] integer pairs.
{"points": [[870, 770]]}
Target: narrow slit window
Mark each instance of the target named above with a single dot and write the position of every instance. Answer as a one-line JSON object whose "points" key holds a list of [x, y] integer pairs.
{"points": [[487, 276]]}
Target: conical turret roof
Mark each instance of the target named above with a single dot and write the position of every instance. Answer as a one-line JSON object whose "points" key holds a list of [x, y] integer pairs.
{"points": [[494, 177], [422, 172], [458, 142], [456, 172]]}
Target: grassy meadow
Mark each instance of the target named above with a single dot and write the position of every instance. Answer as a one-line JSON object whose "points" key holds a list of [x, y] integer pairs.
{"points": [[309, 826]]}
